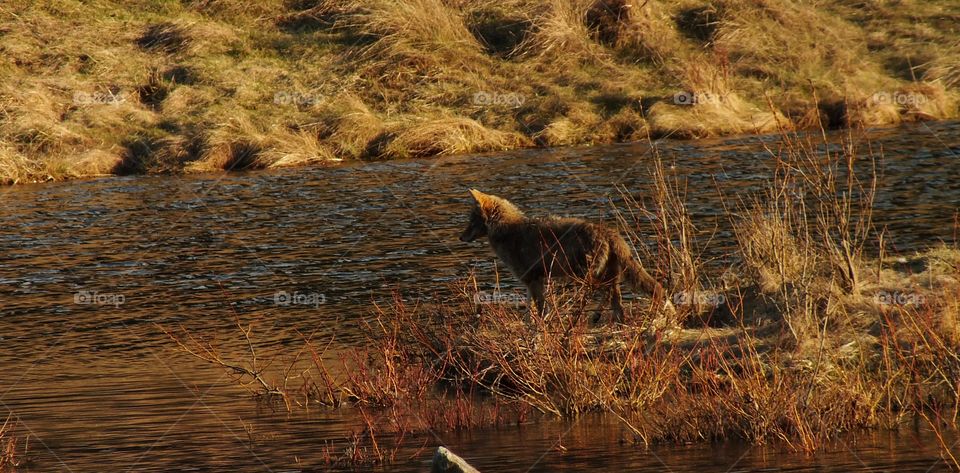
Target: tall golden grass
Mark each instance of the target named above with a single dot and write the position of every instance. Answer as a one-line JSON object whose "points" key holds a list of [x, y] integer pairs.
{"points": [[128, 87]]}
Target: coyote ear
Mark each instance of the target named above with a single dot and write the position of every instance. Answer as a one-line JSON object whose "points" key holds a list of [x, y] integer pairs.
{"points": [[486, 203], [478, 196]]}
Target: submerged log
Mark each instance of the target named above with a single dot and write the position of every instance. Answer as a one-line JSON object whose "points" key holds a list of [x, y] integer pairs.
{"points": [[444, 461]]}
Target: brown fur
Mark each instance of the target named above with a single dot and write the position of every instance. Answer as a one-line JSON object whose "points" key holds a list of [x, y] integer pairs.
{"points": [[570, 248]]}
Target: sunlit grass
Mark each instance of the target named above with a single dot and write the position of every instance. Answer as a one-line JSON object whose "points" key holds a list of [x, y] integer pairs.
{"points": [[125, 87]]}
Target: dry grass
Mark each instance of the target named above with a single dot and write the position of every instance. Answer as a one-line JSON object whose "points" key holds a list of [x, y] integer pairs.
{"points": [[15, 167], [425, 32], [945, 69], [559, 33], [236, 145], [240, 145], [11, 455], [575, 127], [349, 126], [447, 136], [120, 86], [166, 37], [713, 114], [299, 149]]}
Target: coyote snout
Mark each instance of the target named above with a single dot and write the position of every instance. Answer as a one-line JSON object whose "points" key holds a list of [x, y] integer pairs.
{"points": [[537, 249], [477, 226]]}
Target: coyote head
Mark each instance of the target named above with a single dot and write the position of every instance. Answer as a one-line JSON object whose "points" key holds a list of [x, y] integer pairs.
{"points": [[487, 210]]}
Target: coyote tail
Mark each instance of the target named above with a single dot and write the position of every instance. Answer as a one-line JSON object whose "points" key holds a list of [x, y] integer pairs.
{"points": [[635, 274]]}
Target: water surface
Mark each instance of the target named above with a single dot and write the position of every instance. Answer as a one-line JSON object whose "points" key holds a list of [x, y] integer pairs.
{"points": [[99, 388]]}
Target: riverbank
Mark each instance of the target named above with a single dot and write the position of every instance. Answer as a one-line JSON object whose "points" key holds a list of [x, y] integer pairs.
{"points": [[119, 87]]}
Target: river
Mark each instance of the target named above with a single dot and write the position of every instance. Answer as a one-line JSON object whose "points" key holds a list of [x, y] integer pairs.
{"points": [[89, 269]]}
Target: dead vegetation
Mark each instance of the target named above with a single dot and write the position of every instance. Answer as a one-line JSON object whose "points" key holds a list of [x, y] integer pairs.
{"points": [[12, 455], [121, 87], [449, 136]]}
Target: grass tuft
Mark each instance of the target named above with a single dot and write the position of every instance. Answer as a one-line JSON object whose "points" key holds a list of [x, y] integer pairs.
{"points": [[712, 114], [447, 136], [560, 34], [166, 37]]}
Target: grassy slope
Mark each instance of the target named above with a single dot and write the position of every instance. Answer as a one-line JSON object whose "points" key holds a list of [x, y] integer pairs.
{"points": [[123, 87]]}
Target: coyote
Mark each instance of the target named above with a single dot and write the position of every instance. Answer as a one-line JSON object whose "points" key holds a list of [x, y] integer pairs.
{"points": [[537, 249]]}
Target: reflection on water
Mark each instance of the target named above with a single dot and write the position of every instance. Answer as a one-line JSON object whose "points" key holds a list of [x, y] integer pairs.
{"points": [[88, 268]]}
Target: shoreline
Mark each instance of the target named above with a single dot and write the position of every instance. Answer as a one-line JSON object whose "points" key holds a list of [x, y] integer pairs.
{"points": [[187, 171]]}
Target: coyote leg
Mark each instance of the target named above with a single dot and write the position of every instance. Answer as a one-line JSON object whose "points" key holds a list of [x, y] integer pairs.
{"points": [[602, 291], [616, 301], [599, 313]]}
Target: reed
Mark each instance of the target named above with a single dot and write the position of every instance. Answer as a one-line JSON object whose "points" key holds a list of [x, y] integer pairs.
{"points": [[12, 456]]}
